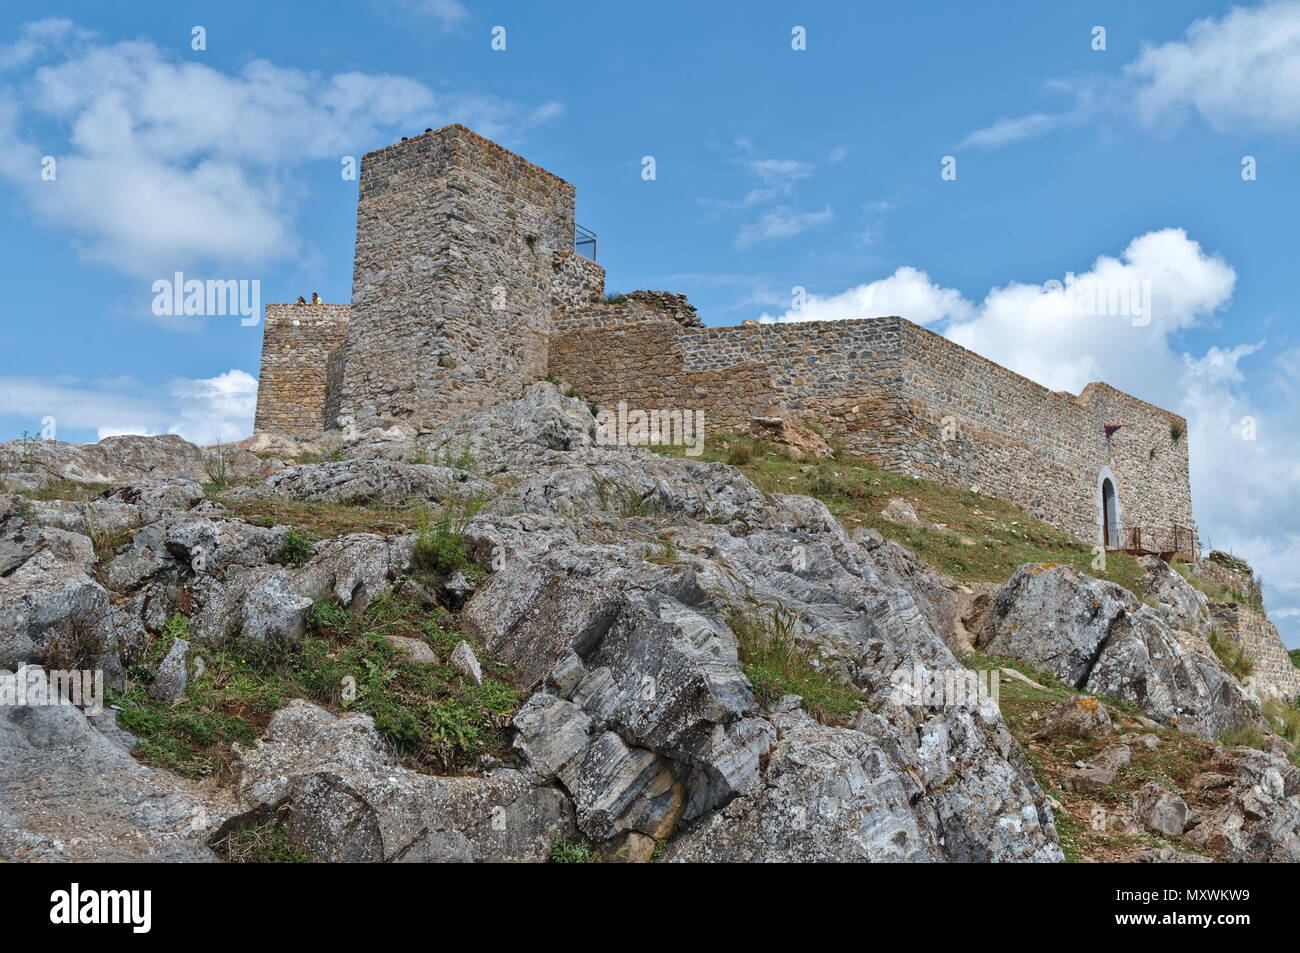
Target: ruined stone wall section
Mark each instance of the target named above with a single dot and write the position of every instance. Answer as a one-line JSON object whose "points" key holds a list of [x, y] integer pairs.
{"points": [[1274, 672], [299, 343], [453, 278], [576, 282], [839, 375]]}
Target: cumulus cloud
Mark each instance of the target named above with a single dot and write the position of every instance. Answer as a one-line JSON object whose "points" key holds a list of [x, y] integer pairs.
{"points": [[907, 293], [1065, 334], [1240, 70], [203, 411], [171, 164]]}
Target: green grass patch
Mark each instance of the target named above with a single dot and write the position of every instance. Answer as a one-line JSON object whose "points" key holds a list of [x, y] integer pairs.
{"points": [[777, 664], [1234, 656], [1002, 536], [436, 718], [572, 852]]}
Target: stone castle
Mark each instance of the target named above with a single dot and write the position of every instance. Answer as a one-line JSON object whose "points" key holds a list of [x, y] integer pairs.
{"points": [[466, 287]]}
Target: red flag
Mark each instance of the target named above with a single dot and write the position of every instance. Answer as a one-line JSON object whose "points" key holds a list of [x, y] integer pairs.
{"points": [[1111, 428]]}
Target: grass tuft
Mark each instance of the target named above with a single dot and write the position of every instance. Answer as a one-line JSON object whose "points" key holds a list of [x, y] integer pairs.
{"points": [[776, 664]]}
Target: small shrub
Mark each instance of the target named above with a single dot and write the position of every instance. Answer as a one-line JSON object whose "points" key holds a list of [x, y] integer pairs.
{"points": [[216, 467], [615, 298], [1175, 432], [421, 455], [1246, 736], [440, 543], [253, 841], [297, 548]]}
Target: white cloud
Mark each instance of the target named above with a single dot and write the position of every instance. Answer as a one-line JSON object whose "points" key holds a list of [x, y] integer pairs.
{"points": [[1048, 335], [204, 411], [777, 177], [1241, 70], [780, 222], [907, 293], [173, 165], [1008, 130]]}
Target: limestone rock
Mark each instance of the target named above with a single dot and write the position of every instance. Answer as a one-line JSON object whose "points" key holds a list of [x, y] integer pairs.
{"points": [[1257, 817], [1101, 771], [48, 597], [1078, 717], [125, 458], [898, 510], [71, 791], [170, 679], [363, 482], [351, 802], [465, 661], [1055, 619], [1160, 809], [1098, 637]]}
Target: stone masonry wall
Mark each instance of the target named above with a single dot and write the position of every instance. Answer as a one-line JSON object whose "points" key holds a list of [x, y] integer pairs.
{"points": [[453, 278], [897, 393], [1045, 450], [299, 342], [575, 281], [840, 374], [1274, 672]]}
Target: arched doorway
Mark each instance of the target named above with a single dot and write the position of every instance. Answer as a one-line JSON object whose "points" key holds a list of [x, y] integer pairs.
{"points": [[1109, 514]]}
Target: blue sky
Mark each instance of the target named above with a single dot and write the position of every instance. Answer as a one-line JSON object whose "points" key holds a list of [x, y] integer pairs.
{"points": [[775, 168]]}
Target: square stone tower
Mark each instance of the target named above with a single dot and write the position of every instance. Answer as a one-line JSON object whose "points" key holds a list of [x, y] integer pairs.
{"points": [[454, 278]]}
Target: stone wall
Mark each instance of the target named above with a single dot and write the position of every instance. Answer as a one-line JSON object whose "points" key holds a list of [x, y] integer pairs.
{"points": [[896, 393], [575, 281], [1274, 672], [972, 421], [300, 343], [453, 278]]}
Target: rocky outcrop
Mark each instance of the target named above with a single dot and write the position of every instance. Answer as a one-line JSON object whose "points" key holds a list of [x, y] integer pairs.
{"points": [[70, 790], [1099, 638], [617, 587], [32, 463], [1257, 808], [348, 800]]}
